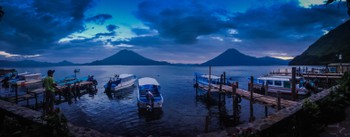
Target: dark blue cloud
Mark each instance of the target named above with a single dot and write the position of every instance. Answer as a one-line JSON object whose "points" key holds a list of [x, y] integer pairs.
{"points": [[287, 20], [140, 31], [30, 26], [182, 21], [285, 28], [111, 28], [147, 41], [99, 19]]}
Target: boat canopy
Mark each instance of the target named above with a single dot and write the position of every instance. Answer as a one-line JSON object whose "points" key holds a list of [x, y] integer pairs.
{"points": [[125, 75], [212, 76], [148, 81], [280, 78]]}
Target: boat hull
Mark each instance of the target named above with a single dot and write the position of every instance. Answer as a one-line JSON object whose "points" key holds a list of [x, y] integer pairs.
{"points": [[124, 85]]}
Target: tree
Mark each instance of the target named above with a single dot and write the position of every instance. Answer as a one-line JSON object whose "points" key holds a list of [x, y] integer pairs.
{"points": [[347, 4], [1, 12]]}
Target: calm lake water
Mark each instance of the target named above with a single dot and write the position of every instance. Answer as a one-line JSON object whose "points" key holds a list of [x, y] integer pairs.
{"points": [[183, 113]]}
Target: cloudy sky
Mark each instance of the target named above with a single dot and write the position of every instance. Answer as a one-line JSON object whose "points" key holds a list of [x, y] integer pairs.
{"points": [[178, 31]]}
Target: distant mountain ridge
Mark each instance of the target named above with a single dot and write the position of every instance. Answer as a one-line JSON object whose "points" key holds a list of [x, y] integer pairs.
{"points": [[326, 49], [127, 57], [233, 57], [230, 57], [32, 63]]}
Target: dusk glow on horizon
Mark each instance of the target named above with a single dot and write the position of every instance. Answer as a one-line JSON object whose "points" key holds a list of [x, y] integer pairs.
{"points": [[177, 31]]}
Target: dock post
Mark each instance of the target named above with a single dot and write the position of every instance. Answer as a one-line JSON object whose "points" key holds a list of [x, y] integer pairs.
{"points": [[36, 100], [209, 88], [293, 83], [278, 101], [196, 85], [286, 71], [234, 102], [251, 118], [221, 82], [16, 92], [27, 98], [206, 124], [248, 86], [224, 78], [220, 89], [266, 89]]}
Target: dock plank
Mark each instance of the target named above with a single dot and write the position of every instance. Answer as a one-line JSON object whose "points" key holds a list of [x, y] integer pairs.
{"points": [[266, 100]]}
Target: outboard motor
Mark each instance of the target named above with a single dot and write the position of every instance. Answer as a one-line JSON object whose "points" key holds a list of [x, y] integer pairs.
{"points": [[150, 99]]}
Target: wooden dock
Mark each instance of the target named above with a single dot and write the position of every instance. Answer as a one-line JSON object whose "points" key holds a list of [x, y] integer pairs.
{"points": [[324, 76], [262, 99], [257, 126], [34, 93]]}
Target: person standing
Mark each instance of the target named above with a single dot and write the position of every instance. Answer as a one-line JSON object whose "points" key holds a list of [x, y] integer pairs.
{"points": [[50, 85]]}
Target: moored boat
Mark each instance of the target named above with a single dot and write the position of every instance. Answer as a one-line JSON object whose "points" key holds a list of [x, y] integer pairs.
{"points": [[7, 73], [205, 79], [119, 82], [23, 79], [282, 84], [149, 95]]}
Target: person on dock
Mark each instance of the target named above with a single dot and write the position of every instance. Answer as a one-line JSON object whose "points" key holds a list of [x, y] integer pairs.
{"points": [[50, 87], [5, 83]]}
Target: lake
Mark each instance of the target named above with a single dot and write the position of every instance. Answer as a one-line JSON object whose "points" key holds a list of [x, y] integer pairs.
{"points": [[183, 113]]}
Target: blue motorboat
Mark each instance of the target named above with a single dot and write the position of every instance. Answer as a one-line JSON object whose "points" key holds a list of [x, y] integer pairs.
{"points": [[149, 95], [119, 82]]}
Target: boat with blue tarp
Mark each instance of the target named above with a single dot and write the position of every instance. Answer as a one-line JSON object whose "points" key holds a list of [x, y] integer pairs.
{"points": [[205, 79], [149, 96]]}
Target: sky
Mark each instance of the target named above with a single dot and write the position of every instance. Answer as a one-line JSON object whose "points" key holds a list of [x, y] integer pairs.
{"points": [[177, 31]]}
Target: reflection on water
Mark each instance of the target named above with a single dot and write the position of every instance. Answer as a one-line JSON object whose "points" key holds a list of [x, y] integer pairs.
{"points": [[183, 113]]}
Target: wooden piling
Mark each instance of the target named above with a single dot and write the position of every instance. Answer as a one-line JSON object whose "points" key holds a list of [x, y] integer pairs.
{"points": [[266, 90], [278, 101], [251, 118], [206, 124], [286, 71], [221, 82], [16, 92], [293, 83], [224, 78], [27, 97], [220, 89], [234, 102], [196, 85], [209, 88]]}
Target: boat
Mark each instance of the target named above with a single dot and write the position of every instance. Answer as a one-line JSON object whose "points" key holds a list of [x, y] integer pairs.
{"points": [[149, 96], [72, 79], [26, 78], [282, 84], [119, 82], [68, 80], [203, 80], [9, 73]]}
